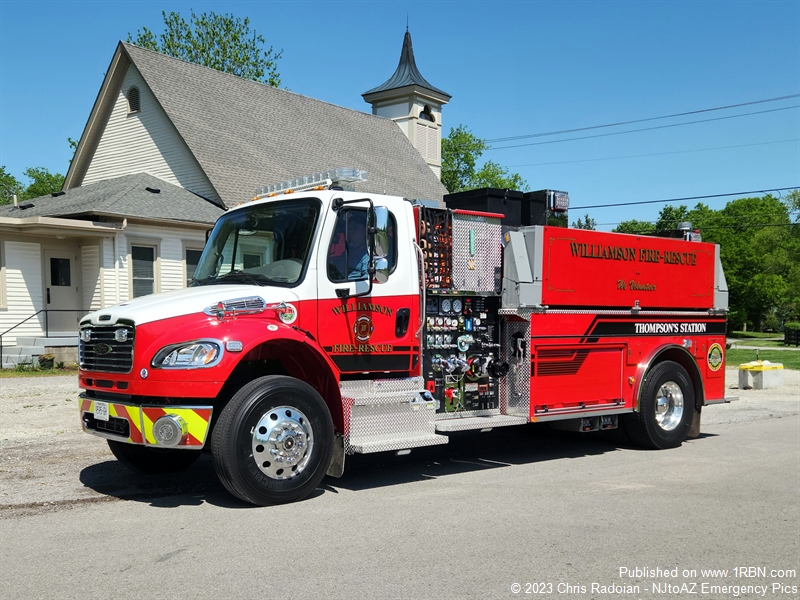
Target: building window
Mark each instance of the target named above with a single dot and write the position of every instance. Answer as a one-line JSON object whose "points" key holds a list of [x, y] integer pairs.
{"points": [[133, 100], [427, 115], [143, 260], [251, 261], [192, 259], [59, 272]]}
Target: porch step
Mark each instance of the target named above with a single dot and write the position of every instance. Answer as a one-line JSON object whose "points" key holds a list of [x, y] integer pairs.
{"points": [[488, 422], [15, 355], [51, 342], [28, 348]]}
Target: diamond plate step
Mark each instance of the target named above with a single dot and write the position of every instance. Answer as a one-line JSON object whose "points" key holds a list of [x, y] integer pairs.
{"points": [[467, 423], [385, 445]]}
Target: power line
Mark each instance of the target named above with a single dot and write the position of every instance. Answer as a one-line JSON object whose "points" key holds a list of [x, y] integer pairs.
{"points": [[683, 114], [599, 135], [686, 198], [566, 162]]}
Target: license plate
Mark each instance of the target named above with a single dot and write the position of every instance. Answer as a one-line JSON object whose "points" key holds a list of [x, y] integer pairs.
{"points": [[101, 410]]}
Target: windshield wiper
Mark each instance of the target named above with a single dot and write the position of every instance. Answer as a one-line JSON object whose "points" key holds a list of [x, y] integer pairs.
{"points": [[239, 275], [203, 281]]}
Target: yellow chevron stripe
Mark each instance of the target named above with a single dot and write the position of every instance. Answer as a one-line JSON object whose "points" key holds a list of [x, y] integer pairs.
{"points": [[148, 429], [198, 426], [134, 416]]}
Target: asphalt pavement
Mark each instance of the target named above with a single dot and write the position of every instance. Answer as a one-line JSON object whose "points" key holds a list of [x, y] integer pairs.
{"points": [[492, 515]]}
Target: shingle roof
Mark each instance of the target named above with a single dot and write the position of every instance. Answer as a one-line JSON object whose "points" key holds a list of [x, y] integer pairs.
{"points": [[245, 134], [407, 73], [125, 196]]}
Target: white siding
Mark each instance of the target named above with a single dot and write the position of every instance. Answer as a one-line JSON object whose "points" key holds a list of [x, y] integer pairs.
{"points": [[90, 261], [145, 141], [171, 274], [109, 285], [24, 290]]}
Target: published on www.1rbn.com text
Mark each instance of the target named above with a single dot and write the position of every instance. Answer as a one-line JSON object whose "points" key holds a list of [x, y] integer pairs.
{"points": [[674, 582]]}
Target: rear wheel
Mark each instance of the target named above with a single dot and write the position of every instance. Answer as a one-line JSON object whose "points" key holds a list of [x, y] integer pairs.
{"points": [[152, 460], [666, 408], [273, 441]]}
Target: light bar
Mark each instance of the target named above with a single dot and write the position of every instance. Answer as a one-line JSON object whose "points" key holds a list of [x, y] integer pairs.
{"points": [[321, 180]]}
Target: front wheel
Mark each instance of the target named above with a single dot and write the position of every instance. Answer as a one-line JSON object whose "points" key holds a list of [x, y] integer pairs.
{"points": [[152, 460], [273, 441], [666, 408]]}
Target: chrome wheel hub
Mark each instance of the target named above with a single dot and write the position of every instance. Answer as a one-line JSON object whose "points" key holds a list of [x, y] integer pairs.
{"points": [[282, 442], [669, 405]]}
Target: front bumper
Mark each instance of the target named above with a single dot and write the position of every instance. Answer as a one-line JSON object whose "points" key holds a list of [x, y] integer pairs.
{"points": [[134, 423]]}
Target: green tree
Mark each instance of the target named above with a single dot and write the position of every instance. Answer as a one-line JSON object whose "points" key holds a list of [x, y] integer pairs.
{"points": [[461, 150], [636, 227], [586, 223], [9, 185], [42, 182], [222, 42]]}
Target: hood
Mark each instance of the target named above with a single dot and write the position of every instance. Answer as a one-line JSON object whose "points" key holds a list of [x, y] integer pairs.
{"points": [[184, 302]]}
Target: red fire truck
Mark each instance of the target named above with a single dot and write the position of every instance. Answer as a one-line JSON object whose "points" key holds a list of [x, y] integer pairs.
{"points": [[323, 322]]}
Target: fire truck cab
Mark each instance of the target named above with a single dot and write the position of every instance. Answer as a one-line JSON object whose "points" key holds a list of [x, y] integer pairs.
{"points": [[323, 322]]}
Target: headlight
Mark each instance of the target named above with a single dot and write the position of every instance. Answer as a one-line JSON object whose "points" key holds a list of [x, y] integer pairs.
{"points": [[188, 355]]}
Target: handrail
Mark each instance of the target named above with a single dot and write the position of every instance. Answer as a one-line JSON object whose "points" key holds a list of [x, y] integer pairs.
{"points": [[46, 323]]}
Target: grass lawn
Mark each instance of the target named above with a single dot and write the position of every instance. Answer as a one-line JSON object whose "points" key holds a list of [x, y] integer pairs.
{"points": [[754, 334], [790, 360], [8, 373]]}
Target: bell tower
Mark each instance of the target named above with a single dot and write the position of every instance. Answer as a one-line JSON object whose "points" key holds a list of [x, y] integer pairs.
{"points": [[414, 104]]}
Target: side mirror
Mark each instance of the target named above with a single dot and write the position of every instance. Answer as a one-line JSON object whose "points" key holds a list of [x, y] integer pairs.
{"points": [[381, 274], [379, 237]]}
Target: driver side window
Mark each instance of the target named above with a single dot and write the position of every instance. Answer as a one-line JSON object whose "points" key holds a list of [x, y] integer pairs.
{"points": [[348, 254]]}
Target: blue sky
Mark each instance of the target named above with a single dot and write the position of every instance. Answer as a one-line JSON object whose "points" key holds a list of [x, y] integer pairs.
{"points": [[513, 68]]}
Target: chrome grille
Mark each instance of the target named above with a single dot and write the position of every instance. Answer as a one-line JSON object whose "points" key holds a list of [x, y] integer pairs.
{"points": [[102, 352]]}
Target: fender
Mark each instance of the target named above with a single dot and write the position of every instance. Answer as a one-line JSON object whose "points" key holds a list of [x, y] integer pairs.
{"points": [[304, 359], [678, 354]]}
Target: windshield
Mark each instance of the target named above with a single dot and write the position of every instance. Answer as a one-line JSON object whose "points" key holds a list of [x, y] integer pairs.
{"points": [[263, 244]]}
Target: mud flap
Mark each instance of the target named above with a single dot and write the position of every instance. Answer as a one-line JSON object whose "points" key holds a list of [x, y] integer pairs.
{"points": [[694, 430], [336, 466]]}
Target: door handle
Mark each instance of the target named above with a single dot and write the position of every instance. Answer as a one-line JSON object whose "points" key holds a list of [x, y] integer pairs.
{"points": [[401, 324], [48, 295]]}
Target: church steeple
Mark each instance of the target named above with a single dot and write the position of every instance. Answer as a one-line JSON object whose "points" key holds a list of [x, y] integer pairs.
{"points": [[406, 74], [414, 104]]}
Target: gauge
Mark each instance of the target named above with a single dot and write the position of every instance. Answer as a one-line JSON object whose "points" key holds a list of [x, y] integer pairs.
{"points": [[457, 305], [439, 321], [431, 321], [446, 305], [477, 322], [438, 340], [448, 339], [430, 339]]}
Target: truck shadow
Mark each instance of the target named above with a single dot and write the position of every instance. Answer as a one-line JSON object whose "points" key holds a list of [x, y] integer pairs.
{"points": [[467, 452]]}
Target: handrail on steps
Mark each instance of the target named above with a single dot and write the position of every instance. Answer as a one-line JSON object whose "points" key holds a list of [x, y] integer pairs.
{"points": [[46, 323]]}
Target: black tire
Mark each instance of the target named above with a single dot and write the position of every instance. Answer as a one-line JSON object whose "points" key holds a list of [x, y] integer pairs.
{"points": [[666, 385], [273, 441], [152, 460]]}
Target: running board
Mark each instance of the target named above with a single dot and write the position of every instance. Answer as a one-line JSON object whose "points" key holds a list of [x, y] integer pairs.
{"points": [[727, 400], [404, 443], [488, 422]]}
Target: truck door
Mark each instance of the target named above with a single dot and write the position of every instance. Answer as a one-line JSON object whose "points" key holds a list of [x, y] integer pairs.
{"points": [[375, 332]]}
